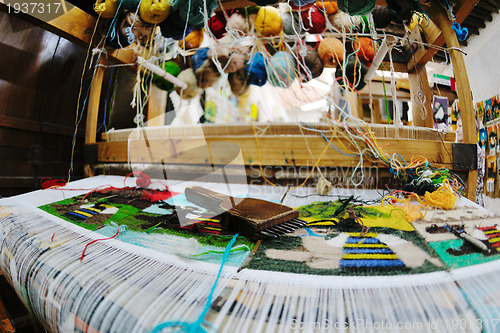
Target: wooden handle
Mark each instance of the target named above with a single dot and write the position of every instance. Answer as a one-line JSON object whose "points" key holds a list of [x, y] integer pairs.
{"points": [[207, 199]]}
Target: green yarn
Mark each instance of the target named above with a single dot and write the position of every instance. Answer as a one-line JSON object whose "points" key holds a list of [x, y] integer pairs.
{"points": [[356, 7], [170, 67]]}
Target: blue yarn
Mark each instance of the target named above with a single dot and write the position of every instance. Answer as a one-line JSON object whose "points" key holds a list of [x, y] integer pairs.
{"points": [[256, 69], [173, 26], [462, 33], [199, 58], [283, 69], [196, 327], [324, 137], [392, 169]]}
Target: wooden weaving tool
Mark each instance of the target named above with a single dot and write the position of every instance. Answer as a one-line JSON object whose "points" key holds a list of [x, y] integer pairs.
{"points": [[247, 216]]}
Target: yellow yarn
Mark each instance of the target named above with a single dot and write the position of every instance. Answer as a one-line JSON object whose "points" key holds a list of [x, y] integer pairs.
{"points": [[268, 22], [415, 20], [443, 197], [328, 7], [193, 40], [154, 11], [106, 8]]}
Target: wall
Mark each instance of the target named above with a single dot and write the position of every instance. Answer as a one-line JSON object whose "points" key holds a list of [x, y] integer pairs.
{"points": [[39, 82]]}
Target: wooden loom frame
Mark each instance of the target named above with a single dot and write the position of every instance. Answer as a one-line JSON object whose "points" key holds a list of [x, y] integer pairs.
{"points": [[437, 147]]}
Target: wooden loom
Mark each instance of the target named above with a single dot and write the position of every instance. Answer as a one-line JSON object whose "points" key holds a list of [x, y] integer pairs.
{"points": [[112, 149]]}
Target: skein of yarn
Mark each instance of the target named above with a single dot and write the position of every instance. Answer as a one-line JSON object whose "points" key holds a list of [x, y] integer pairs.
{"points": [[217, 24], [256, 70], [364, 49], [327, 7], [355, 72], [154, 11], [282, 70], [313, 66], [199, 58], [238, 81], [187, 76], [268, 22], [174, 27], [314, 20], [331, 51], [193, 11], [192, 41], [106, 8], [291, 23], [357, 7], [169, 67]]}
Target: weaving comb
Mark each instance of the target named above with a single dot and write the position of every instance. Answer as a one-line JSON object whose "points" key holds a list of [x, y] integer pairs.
{"points": [[247, 216]]}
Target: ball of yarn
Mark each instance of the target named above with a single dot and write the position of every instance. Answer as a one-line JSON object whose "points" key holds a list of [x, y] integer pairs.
{"points": [[357, 7], [199, 58], [314, 20], [256, 70], [331, 51], [154, 11], [207, 75], [193, 11], [192, 41], [282, 69], [327, 7], [169, 67], [106, 8], [382, 17], [355, 72], [301, 5], [217, 25], [291, 23], [268, 22], [344, 21], [230, 59], [187, 76], [174, 27], [130, 4], [363, 47], [313, 66], [403, 10], [238, 81], [238, 22]]}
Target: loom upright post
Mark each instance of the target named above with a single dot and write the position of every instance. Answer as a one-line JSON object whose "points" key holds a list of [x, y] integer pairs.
{"points": [[462, 85]]}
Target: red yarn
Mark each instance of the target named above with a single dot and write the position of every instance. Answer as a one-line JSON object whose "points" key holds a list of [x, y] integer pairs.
{"points": [[302, 8], [47, 182], [154, 195], [97, 240], [142, 180], [314, 20], [217, 24]]}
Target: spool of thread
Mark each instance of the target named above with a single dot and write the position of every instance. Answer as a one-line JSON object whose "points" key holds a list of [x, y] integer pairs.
{"points": [[314, 20], [169, 67], [282, 69], [199, 58], [327, 7], [331, 51], [301, 5], [364, 50], [130, 4], [355, 72], [154, 11], [193, 11], [256, 70], [106, 8], [217, 25], [314, 66], [357, 7], [207, 75], [291, 23], [403, 10], [238, 81], [192, 41], [268, 22], [173, 26], [382, 17], [187, 76]]}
